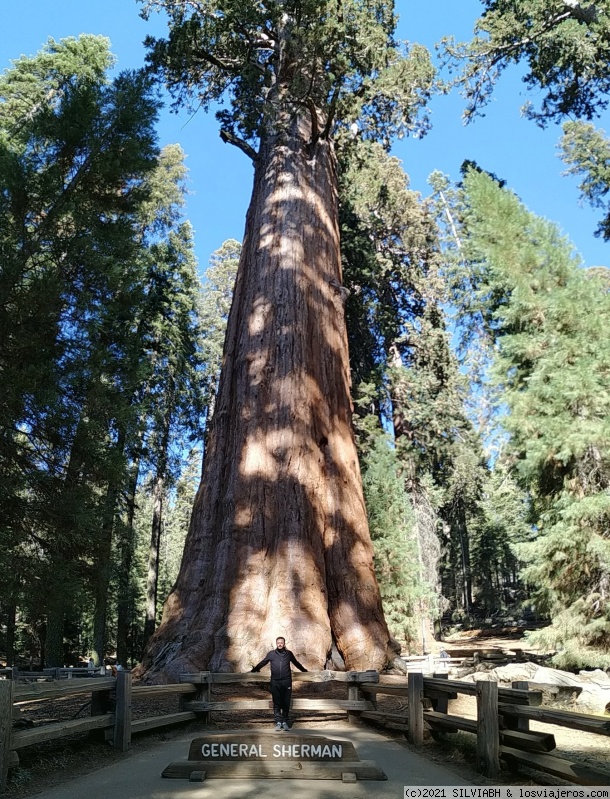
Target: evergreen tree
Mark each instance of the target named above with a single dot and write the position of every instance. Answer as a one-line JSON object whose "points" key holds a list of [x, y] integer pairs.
{"points": [[177, 521], [280, 512], [392, 523], [586, 151], [499, 530], [174, 389], [400, 351], [216, 297], [550, 321], [99, 345], [74, 150]]}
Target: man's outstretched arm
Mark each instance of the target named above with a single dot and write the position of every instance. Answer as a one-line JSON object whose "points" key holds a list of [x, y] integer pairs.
{"points": [[296, 662], [260, 665]]}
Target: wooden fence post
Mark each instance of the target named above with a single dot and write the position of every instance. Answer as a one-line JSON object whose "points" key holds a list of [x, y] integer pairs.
{"points": [[203, 694], [354, 694], [122, 717], [514, 723], [415, 708], [488, 728], [7, 688], [441, 703]]}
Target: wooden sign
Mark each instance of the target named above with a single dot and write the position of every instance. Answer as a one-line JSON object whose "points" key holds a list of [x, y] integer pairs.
{"points": [[272, 755], [271, 746]]}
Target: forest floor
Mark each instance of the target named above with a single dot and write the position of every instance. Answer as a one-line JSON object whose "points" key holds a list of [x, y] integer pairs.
{"points": [[54, 762]]}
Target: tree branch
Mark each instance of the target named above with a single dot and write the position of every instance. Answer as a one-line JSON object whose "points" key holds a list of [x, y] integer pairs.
{"points": [[498, 52], [231, 138], [332, 107], [315, 130], [227, 66]]}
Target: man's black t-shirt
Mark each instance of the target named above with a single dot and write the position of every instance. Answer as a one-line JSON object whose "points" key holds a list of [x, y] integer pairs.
{"points": [[280, 660]]}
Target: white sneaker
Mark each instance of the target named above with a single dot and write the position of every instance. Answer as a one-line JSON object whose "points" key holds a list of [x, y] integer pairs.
{"points": [[285, 725], [278, 726]]}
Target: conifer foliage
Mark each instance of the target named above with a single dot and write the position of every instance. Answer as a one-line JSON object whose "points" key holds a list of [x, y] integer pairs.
{"points": [[564, 43], [90, 250], [550, 321]]}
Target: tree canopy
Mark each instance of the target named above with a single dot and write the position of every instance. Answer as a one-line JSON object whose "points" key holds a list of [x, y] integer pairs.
{"points": [[338, 60], [565, 45]]}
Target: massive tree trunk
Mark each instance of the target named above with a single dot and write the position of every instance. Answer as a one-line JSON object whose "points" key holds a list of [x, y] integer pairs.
{"points": [[279, 541]]}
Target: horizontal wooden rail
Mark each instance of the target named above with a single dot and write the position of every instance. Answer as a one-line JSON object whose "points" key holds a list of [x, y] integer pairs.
{"points": [[580, 773], [516, 695], [215, 678], [59, 729], [444, 721], [395, 720], [199, 706], [563, 718], [536, 741], [142, 725], [390, 690], [150, 691], [31, 692], [434, 686]]}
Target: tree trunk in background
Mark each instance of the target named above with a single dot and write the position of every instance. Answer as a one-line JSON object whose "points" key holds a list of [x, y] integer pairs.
{"points": [[464, 539], [11, 625], [125, 599], [279, 541], [53, 656], [152, 578], [101, 581]]}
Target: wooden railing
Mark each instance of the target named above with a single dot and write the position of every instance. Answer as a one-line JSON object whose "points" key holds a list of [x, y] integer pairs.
{"points": [[196, 702], [501, 726], [355, 703], [62, 673]]}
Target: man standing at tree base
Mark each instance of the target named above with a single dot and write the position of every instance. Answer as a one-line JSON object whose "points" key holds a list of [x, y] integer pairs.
{"points": [[280, 659]]}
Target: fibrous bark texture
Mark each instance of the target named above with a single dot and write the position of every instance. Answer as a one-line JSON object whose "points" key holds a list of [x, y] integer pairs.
{"points": [[279, 541]]}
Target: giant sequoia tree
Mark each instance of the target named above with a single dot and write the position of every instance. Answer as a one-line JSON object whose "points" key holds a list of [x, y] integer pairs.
{"points": [[279, 540]]}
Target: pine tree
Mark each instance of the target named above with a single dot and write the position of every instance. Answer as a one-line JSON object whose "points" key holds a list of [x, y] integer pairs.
{"points": [[499, 530], [100, 302], [174, 388], [586, 151], [216, 298], [400, 350]]}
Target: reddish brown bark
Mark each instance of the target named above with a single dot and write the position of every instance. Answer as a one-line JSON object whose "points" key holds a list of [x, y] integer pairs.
{"points": [[279, 541]]}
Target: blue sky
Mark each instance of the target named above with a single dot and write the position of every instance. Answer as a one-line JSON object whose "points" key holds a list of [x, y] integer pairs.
{"points": [[220, 176]]}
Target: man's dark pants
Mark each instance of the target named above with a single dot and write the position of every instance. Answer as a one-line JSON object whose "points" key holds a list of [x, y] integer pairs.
{"points": [[281, 693]]}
